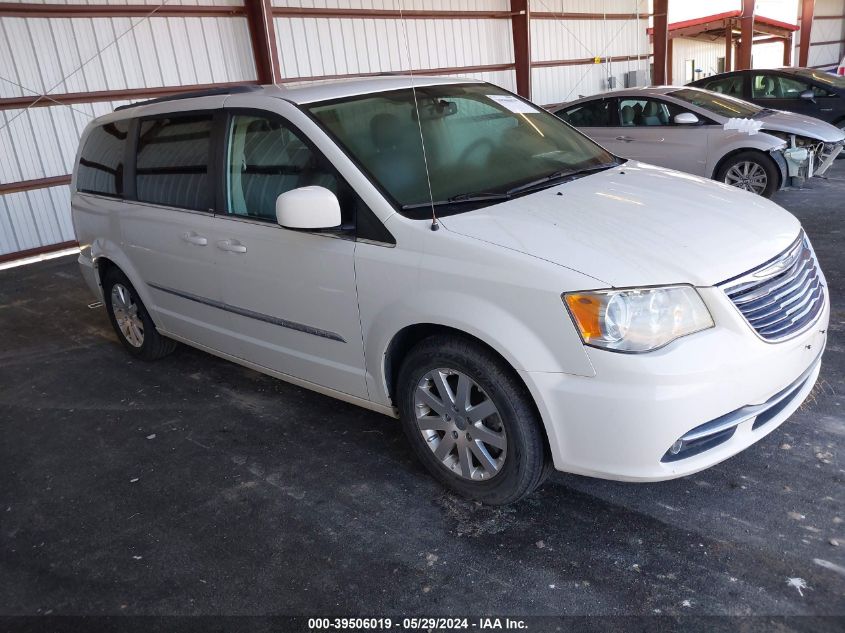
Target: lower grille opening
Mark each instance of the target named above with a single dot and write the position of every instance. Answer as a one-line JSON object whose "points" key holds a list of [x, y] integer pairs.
{"points": [[694, 447], [769, 414], [719, 430]]}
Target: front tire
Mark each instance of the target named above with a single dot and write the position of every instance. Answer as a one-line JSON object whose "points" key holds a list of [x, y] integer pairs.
{"points": [[130, 319], [471, 421], [751, 171]]}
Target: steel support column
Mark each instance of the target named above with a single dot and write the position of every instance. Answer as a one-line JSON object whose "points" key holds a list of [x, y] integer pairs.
{"points": [[808, 8], [660, 41], [521, 27], [262, 33], [746, 23]]}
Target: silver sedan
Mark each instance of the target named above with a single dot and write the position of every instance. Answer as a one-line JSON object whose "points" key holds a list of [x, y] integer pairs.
{"points": [[708, 134]]}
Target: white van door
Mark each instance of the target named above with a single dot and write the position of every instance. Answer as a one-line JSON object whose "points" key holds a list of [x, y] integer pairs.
{"points": [[291, 294], [170, 230]]}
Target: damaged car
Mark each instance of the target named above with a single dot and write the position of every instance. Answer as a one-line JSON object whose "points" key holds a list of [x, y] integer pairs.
{"points": [[708, 134]]}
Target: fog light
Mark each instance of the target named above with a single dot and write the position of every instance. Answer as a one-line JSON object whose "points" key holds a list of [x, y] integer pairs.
{"points": [[676, 447]]}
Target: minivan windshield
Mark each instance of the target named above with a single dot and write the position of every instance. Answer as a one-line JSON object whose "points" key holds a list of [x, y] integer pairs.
{"points": [[482, 145], [717, 103]]}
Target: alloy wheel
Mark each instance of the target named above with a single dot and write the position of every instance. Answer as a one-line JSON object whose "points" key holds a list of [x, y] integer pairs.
{"points": [[748, 175], [460, 424], [126, 315]]}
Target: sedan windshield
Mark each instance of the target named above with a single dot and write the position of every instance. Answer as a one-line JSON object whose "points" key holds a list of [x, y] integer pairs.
{"points": [[482, 145], [717, 103], [822, 77]]}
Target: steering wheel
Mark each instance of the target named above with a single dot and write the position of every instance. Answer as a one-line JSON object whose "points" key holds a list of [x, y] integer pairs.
{"points": [[474, 147]]}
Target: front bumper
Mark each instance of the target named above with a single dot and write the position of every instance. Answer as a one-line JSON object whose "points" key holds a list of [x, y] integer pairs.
{"points": [[621, 423]]}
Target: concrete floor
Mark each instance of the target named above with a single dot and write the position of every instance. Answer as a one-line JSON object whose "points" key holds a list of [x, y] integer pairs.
{"points": [[193, 486]]}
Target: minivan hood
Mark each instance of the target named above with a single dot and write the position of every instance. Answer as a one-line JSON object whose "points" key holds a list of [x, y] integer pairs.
{"points": [[799, 124], [638, 225]]}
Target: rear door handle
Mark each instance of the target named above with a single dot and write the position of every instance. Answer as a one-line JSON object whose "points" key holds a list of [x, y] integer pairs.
{"points": [[231, 246], [193, 238], [626, 139]]}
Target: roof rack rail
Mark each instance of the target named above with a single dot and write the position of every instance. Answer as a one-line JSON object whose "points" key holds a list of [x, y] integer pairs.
{"points": [[211, 92]]}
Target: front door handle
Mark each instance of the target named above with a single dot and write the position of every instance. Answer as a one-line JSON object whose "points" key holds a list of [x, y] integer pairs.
{"points": [[231, 246], [626, 139], [192, 238]]}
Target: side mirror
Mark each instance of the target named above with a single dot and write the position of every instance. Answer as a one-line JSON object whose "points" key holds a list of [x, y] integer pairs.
{"points": [[808, 95], [686, 118], [308, 208]]}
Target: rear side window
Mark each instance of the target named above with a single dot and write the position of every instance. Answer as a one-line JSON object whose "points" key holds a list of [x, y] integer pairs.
{"points": [[172, 163], [101, 164], [727, 85], [590, 114]]}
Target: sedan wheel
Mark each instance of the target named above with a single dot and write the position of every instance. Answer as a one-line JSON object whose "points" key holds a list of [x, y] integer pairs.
{"points": [[748, 175], [460, 424]]}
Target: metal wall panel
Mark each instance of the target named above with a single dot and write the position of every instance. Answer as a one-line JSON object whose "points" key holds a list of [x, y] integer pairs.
{"points": [[553, 40], [60, 55], [564, 83], [825, 30], [309, 47], [152, 3], [405, 5], [705, 55], [31, 219]]}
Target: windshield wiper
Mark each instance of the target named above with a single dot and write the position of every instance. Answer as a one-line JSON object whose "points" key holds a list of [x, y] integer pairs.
{"points": [[461, 198], [550, 179], [489, 196]]}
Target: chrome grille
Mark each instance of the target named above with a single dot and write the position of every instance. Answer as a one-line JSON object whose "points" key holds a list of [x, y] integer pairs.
{"points": [[782, 297]]}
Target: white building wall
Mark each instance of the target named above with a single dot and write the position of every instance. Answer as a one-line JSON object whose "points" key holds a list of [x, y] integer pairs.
{"points": [[703, 54]]}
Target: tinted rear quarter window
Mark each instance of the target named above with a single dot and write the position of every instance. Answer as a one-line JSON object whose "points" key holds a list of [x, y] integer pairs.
{"points": [[172, 167], [589, 114], [101, 163]]}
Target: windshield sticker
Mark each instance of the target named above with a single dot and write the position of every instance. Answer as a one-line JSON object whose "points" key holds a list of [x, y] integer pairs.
{"points": [[513, 104], [748, 126]]}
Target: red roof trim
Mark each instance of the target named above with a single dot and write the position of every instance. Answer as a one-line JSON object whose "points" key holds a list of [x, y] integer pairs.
{"points": [[772, 22], [725, 16]]}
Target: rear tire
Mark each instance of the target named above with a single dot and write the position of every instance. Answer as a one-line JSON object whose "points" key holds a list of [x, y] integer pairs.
{"points": [[752, 171], [130, 319], [484, 439]]}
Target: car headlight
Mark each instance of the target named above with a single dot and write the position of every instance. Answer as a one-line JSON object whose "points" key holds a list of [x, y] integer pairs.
{"points": [[637, 320]]}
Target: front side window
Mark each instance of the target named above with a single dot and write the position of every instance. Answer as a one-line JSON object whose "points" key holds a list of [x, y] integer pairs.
{"points": [[722, 105], [590, 114], [101, 163], [728, 85], [265, 158], [646, 112], [780, 87], [477, 139], [172, 162]]}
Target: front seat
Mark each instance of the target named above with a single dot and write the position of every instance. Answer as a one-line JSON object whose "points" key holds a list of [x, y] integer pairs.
{"points": [[768, 86], [652, 114], [628, 115]]}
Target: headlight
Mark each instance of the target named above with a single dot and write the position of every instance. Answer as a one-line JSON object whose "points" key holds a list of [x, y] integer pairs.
{"points": [[637, 320]]}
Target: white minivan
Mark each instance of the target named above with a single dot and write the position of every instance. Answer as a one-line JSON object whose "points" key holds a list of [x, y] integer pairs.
{"points": [[445, 252]]}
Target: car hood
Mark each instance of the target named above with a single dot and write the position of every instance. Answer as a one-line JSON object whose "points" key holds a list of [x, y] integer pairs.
{"points": [[802, 125], [637, 225]]}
